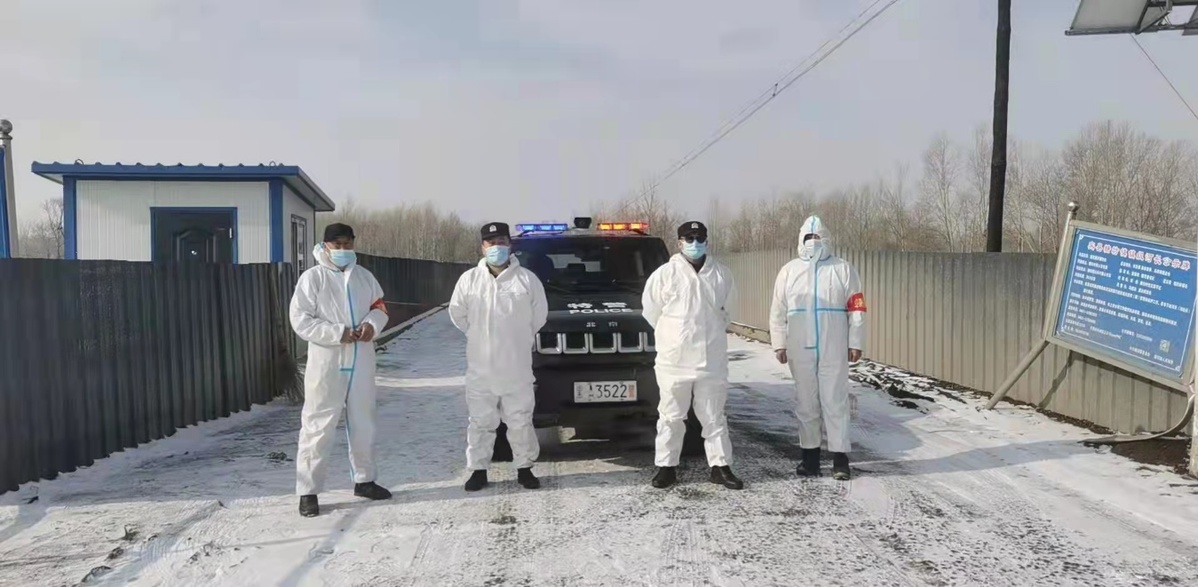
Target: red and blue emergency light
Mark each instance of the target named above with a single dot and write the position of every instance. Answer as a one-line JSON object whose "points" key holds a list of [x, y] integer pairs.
{"points": [[525, 228]]}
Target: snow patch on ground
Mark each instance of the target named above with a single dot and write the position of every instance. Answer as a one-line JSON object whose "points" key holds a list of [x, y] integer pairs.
{"points": [[943, 494]]}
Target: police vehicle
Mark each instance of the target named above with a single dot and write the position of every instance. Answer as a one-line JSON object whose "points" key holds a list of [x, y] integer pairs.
{"points": [[593, 359]]}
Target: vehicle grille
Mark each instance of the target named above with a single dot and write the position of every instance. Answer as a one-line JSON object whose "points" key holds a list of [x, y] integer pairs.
{"points": [[597, 343]]}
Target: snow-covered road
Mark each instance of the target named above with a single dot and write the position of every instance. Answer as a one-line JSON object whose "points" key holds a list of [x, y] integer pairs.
{"points": [[943, 495]]}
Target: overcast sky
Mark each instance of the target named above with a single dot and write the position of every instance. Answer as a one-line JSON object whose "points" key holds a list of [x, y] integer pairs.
{"points": [[524, 110]]}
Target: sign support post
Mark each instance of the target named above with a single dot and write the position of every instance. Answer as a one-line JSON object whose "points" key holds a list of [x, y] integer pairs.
{"points": [[1041, 346], [1020, 369], [1193, 466]]}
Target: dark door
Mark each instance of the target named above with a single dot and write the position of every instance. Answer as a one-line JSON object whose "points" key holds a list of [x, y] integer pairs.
{"points": [[299, 242], [205, 236]]}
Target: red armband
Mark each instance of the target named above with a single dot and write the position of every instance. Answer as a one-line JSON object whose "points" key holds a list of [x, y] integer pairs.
{"points": [[379, 305], [856, 303]]}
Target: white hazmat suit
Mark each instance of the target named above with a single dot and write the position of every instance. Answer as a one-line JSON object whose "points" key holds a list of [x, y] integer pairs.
{"points": [[816, 316], [500, 315], [328, 300], [688, 311]]}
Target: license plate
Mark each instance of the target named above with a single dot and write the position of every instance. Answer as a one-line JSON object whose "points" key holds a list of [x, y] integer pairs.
{"points": [[604, 391]]}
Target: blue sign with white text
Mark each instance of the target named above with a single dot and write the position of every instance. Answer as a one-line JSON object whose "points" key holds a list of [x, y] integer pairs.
{"points": [[1130, 300]]}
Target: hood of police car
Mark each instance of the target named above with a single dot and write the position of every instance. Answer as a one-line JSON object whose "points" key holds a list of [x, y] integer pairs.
{"points": [[594, 311]]}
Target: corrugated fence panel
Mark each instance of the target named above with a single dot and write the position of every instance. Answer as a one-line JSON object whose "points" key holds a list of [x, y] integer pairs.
{"points": [[117, 354], [125, 353], [969, 319], [414, 281]]}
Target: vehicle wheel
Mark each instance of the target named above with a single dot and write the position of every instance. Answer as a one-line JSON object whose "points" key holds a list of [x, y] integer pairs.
{"points": [[692, 443], [502, 452]]}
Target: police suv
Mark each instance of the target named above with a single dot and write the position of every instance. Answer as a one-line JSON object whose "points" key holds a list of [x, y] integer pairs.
{"points": [[593, 359]]}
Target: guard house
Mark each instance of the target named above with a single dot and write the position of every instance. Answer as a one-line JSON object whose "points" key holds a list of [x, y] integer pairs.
{"points": [[220, 214]]}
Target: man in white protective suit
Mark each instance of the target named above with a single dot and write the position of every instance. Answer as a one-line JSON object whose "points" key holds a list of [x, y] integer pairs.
{"points": [[500, 306], [817, 326], [686, 301], [338, 308]]}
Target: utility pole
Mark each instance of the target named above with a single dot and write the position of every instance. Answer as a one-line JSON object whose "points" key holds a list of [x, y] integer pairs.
{"points": [[998, 158], [8, 205]]}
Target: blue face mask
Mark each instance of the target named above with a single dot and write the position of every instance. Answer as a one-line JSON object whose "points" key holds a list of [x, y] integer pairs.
{"points": [[694, 250], [497, 255], [342, 257]]}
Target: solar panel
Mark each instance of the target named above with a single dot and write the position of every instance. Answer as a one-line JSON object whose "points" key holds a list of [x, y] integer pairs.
{"points": [[1192, 25], [1114, 16]]}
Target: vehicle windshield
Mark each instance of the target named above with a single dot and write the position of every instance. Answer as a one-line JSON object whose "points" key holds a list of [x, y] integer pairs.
{"points": [[576, 264]]}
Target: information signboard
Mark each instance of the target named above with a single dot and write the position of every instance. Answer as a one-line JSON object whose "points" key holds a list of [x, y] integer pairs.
{"points": [[1127, 299]]}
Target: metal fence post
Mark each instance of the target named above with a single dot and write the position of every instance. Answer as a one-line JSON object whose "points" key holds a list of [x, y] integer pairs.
{"points": [[9, 245]]}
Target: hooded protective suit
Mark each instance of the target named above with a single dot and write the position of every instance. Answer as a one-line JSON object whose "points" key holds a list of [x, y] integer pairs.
{"points": [[817, 315], [688, 311], [326, 301], [500, 316]]}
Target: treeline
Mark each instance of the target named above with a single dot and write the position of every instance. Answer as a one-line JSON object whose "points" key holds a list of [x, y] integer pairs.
{"points": [[1121, 176], [417, 231]]}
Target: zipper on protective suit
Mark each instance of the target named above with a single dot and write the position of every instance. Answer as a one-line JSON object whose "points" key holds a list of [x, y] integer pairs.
{"points": [[349, 300]]}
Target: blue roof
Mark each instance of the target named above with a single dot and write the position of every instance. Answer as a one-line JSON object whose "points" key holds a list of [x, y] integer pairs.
{"points": [[292, 175]]}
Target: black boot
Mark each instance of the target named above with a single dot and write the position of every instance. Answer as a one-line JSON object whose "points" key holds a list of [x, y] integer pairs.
{"points": [[527, 479], [309, 506], [477, 480], [810, 465], [371, 490], [665, 477], [840, 466], [723, 476]]}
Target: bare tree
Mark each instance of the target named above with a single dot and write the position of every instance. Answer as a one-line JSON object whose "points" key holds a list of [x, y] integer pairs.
{"points": [[939, 203], [44, 239], [1124, 178], [897, 218], [650, 207], [975, 203], [409, 231]]}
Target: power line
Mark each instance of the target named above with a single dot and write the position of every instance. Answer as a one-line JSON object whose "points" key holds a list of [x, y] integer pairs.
{"points": [[773, 88], [767, 96], [1165, 77]]}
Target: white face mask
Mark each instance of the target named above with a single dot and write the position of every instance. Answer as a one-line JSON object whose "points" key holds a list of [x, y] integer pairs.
{"points": [[812, 249]]}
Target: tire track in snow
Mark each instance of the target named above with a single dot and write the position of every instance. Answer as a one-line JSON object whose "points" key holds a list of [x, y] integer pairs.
{"points": [[816, 511], [162, 544], [924, 508], [919, 520]]}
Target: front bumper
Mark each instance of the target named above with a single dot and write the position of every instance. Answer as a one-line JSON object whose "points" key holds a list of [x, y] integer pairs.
{"points": [[555, 393]]}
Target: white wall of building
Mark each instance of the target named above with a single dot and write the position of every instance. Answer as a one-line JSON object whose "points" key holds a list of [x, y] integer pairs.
{"points": [[113, 217], [293, 205]]}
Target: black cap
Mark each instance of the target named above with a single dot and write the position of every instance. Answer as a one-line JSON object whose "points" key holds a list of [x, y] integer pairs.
{"points": [[692, 228], [494, 229], [337, 230]]}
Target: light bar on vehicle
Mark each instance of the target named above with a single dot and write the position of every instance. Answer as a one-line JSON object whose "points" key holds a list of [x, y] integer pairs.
{"points": [[542, 227], [641, 226]]}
